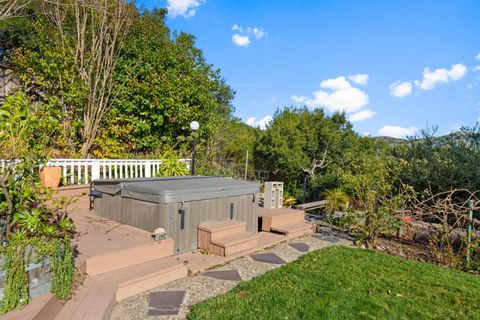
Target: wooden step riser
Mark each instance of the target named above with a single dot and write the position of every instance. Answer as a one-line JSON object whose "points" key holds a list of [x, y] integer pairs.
{"points": [[205, 237], [274, 221], [127, 290], [233, 249], [129, 257]]}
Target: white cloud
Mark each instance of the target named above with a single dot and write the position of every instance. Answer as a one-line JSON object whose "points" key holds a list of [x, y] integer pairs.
{"points": [[258, 32], [242, 35], [262, 123], [397, 132], [361, 115], [442, 75], [339, 95], [298, 99], [400, 89], [241, 41], [361, 79], [347, 100], [250, 121], [476, 68], [477, 57], [335, 84], [185, 8]]}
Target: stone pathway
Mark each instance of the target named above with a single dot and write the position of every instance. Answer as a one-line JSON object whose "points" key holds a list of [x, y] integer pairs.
{"points": [[300, 246], [268, 257], [220, 279]]}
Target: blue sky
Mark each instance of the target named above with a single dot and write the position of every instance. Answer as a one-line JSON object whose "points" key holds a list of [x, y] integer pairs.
{"points": [[393, 66]]}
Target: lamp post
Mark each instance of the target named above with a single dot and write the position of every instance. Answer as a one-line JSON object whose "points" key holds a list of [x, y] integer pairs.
{"points": [[194, 125]]}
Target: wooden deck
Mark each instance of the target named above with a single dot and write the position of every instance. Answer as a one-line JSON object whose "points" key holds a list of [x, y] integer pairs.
{"points": [[116, 274]]}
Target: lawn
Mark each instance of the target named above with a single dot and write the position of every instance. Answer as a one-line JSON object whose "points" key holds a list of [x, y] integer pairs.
{"points": [[349, 283]]}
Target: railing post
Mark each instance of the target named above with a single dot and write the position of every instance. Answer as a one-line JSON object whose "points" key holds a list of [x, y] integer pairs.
{"points": [[148, 169], [95, 170]]}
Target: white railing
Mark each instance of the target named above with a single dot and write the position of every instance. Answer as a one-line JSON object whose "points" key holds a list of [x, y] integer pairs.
{"points": [[83, 171]]}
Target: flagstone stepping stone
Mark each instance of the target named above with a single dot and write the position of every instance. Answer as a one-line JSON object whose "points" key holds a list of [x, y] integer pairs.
{"points": [[163, 303], [268, 257], [229, 275], [300, 246], [331, 239]]}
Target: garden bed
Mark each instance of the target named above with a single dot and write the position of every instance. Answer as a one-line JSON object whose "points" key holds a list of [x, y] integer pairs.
{"points": [[348, 283]]}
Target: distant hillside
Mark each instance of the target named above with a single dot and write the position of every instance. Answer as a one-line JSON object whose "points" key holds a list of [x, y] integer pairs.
{"points": [[391, 140], [398, 141]]}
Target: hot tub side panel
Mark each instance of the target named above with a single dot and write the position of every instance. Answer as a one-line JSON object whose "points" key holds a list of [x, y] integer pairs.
{"points": [[245, 208], [107, 206], [148, 216], [139, 214]]}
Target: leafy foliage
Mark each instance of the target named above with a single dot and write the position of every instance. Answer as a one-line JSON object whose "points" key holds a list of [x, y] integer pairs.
{"points": [[27, 221], [337, 200], [164, 83], [170, 166], [294, 138], [441, 163]]}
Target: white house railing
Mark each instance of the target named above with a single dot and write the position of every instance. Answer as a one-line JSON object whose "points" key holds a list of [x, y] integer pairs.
{"points": [[83, 171]]}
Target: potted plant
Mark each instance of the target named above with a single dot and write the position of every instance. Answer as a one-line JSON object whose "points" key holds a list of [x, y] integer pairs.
{"points": [[50, 176]]}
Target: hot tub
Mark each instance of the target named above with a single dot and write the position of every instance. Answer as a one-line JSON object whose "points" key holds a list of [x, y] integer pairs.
{"points": [[177, 204]]}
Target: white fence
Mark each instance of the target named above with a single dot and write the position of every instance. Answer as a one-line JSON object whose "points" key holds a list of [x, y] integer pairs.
{"points": [[83, 171]]}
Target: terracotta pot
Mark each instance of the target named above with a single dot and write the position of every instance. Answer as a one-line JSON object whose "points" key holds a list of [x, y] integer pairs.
{"points": [[50, 176]]}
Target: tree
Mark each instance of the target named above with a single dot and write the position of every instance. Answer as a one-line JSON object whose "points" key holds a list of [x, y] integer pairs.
{"points": [[94, 31], [65, 53], [441, 163], [162, 84], [301, 142]]}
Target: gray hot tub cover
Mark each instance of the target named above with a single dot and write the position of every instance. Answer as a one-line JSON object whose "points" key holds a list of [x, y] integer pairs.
{"points": [[176, 189]]}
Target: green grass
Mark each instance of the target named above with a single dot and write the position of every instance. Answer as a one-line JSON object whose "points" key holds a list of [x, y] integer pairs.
{"points": [[348, 283]]}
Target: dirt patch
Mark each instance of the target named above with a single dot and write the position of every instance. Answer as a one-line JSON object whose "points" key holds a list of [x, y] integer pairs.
{"points": [[409, 250]]}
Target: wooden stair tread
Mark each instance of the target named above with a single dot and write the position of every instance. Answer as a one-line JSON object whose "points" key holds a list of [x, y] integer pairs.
{"points": [[120, 259], [234, 239], [92, 295], [292, 227], [141, 270], [221, 225]]}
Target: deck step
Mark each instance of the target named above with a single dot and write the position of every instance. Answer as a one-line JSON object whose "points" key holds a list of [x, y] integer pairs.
{"points": [[128, 257], [87, 297], [218, 230], [142, 277], [294, 229], [278, 217], [234, 244], [98, 295]]}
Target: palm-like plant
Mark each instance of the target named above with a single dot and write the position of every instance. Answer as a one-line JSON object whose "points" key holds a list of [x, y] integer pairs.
{"points": [[337, 200]]}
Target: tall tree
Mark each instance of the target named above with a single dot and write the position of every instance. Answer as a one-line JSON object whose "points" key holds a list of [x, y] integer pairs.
{"points": [[94, 31], [301, 142], [163, 82]]}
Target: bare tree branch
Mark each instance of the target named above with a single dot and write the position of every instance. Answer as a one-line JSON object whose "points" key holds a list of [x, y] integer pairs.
{"points": [[317, 164], [100, 29], [8, 8]]}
